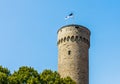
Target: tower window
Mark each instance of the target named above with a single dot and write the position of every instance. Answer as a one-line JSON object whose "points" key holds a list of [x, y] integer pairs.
{"points": [[72, 38], [64, 39], [69, 52], [68, 38], [61, 40], [76, 38]]}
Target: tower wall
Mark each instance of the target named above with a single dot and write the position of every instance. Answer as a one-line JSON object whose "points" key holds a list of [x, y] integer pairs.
{"points": [[73, 44]]}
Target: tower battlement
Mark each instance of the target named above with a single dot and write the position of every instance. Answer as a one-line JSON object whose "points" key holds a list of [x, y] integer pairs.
{"points": [[73, 44]]}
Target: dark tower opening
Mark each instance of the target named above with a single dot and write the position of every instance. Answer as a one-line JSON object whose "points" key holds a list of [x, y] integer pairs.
{"points": [[69, 52]]}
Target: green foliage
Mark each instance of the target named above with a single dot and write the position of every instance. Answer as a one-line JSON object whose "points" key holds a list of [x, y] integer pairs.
{"points": [[4, 70], [23, 75], [3, 78], [13, 80], [68, 80], [49, 77], [4, 73], [33, 81], [27, 75]]}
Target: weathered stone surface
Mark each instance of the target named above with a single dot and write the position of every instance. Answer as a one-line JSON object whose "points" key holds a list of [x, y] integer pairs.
{"points": [[73, 45]]}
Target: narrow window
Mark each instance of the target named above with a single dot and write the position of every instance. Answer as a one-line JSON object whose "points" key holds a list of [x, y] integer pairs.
{"points": [[72, 38], [87, 41], [83, 39], [76, 38], [64, 39], [69, 52], [80, 38], [68, 38], [61, 40]]}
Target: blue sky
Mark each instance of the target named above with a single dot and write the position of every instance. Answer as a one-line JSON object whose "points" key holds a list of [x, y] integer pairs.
{"points": [[28, 34]]}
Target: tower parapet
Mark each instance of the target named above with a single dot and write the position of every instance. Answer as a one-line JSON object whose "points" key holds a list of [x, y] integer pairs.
{"points": [[73, 44]]}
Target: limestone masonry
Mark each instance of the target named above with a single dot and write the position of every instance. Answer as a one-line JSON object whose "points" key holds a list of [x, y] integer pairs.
{"points": [[73, 50]]}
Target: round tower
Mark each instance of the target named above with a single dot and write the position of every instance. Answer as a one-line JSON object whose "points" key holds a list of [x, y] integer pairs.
{"points": [[73, 50]]}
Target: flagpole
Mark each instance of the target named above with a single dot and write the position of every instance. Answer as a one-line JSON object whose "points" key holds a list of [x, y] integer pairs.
{"points": [[68, 17], [66, 22], [74, 19]]}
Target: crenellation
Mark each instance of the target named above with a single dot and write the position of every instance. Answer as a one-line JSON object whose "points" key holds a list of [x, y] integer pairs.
{"points": [[73, 39]]}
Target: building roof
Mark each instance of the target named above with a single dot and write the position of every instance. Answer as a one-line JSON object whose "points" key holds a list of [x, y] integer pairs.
{"points": [[73, 25]]}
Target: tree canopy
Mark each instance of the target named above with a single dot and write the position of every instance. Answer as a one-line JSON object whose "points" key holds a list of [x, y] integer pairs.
{"points": [[28, 75]]}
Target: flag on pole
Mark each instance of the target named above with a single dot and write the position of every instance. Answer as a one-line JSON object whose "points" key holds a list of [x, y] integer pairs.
{"points": [[69, 16]]}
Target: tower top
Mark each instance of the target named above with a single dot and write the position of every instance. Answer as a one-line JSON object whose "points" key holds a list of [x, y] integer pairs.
{"points": [[75, 26]]}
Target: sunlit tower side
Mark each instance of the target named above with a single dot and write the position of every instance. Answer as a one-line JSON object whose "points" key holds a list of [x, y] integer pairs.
{"points": [[73, 52]]}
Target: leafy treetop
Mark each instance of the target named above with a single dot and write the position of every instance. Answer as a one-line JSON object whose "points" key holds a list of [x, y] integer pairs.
{"points": [[28, 75]]}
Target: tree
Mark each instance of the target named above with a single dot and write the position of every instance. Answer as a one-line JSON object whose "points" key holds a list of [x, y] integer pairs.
{"points": [[4, 70], [4, 73], [3, 78], [13, 80], [23, 75], [68, 80], [28, 75], [33, 81], [50, 77]]}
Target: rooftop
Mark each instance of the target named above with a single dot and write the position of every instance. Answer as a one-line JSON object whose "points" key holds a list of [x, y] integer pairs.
{"points": [[80, 26]]}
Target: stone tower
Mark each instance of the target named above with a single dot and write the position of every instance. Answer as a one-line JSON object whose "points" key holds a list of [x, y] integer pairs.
{"points": [[73, 50]]}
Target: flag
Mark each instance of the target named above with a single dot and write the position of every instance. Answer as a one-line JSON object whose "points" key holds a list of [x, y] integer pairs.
{"points": [[69, 16]]}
